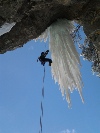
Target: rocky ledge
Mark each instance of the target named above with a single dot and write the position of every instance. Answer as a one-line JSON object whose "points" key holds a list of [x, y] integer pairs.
{"points": [[32, 17]]}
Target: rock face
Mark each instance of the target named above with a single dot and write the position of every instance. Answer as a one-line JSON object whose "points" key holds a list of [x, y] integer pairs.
{"points": [[32, 17]]}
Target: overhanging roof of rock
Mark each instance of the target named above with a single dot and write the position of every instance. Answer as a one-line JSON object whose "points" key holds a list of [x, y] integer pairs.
{"points": [[34, 17]]}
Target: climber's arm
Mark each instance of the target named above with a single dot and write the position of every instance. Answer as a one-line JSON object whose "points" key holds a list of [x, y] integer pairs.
{"points": [[46, 53]]}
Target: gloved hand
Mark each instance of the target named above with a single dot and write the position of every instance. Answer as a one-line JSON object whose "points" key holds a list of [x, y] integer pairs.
{"points": [[47, 51]]}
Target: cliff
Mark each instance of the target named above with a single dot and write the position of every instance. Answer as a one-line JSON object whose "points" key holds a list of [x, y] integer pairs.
{"points": [[32, 17]]}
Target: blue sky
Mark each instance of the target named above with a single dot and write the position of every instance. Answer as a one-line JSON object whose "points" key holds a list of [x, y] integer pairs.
{"points": [[20, 96]]}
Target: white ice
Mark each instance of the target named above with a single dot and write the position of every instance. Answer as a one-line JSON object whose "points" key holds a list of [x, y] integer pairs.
{"points": [[66, 63], [6, 27]]}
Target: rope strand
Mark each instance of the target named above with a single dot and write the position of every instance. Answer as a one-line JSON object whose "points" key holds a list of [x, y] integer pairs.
{"points": [[41, 116]]}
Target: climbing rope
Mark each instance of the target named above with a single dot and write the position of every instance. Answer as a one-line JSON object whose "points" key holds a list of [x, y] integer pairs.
{"points": [[41, 116], [43, 83], [42, 110]]}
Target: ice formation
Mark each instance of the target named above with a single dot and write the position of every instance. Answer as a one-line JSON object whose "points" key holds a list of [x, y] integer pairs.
{"points": [[66, 63], [89, 52], [6, 27]]}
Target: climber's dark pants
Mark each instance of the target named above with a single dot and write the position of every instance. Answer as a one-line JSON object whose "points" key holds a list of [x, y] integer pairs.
{"points": [[44, 60], [48, 60]]}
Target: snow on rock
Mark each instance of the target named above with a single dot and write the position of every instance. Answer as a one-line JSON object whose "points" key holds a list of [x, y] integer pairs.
{"points": [[6, 27], [66, 63]]}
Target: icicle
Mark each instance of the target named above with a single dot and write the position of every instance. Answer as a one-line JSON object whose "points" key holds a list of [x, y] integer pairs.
{"points": [[66, 63]]}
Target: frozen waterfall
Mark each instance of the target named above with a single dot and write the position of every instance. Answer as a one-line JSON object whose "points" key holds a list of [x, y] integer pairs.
{"points": [[66, 63]]}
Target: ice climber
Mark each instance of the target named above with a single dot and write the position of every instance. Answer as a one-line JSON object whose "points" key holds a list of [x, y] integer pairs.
{"points": [[43, 60]]}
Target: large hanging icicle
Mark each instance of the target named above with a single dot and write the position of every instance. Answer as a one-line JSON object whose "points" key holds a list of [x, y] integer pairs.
{"points": [[66, 63]]}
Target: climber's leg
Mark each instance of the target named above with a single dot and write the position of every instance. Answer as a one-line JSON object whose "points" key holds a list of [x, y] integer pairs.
{"points": [[48, 60]]}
